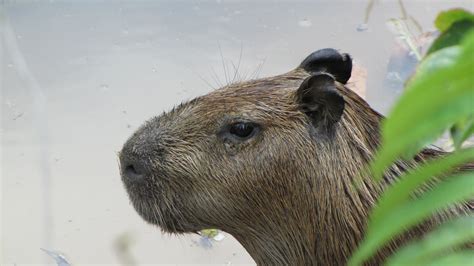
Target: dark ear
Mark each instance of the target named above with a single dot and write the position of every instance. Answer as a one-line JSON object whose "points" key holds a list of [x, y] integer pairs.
{"points": [[330, 61], [319, 100]]}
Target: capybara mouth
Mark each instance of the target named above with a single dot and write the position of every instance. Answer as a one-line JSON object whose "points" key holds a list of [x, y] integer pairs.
{"points": [[157, 212], [149, 199]]}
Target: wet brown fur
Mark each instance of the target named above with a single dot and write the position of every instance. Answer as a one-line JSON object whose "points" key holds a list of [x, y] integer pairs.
{"points": [[286, 195]]}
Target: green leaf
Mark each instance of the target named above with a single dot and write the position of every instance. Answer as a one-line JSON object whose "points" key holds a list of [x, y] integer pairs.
{"points": [[460, 258], [468, 46], [449, 235], [400, 192], [445, 19], [454, 25], [452, 36], [440, 95], [458, 188], [462, 130], [441, 92], [437, 61]]}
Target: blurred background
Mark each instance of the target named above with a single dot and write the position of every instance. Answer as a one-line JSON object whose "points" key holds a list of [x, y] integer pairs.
{"points": [[78, 77]]}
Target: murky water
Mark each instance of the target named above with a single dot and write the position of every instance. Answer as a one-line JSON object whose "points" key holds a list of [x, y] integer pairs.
{"points": [[77, 78]]}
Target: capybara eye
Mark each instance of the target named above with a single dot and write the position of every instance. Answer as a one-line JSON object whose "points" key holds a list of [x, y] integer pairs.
{"points": [[242, 130]]}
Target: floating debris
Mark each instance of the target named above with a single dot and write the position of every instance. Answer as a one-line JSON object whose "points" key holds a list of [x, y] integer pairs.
{"points": [[362, 27], [18, 116], [58, 257], [305, 23], [205, 242], [394, 77], [104, 87], [401, 30], [209, 235], [410, 45]]}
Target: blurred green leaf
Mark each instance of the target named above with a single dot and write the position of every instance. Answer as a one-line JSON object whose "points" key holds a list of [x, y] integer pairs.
{"points": [[458, 188], [437, 61], [452, 36], [454, 24], [400, 192], [439, 97], [448, 235], [460, 258], [462, 130], [441, 92], [445, 19]]}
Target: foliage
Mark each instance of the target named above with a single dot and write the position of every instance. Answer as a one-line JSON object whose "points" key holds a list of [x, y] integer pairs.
{"points": [[439, 97]]}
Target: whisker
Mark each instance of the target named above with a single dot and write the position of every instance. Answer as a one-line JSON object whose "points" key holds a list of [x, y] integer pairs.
{"points": [[216, 77], [238, 64], [257, 71], [205, 81], [223, 64]]}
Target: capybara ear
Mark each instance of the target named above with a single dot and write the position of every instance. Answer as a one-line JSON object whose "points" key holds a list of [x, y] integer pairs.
{"points": [[331, 61], [318, 98]]}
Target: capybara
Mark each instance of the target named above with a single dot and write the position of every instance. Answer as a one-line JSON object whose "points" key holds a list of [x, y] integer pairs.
{"points": [[273, 162]]}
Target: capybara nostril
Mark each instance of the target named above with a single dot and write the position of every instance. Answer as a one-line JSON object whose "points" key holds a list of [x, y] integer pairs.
{"points": [[133, 160], [133, 171]]}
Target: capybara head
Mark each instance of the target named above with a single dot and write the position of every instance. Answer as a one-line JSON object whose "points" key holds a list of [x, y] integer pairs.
{"points": [[270, 161]]}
